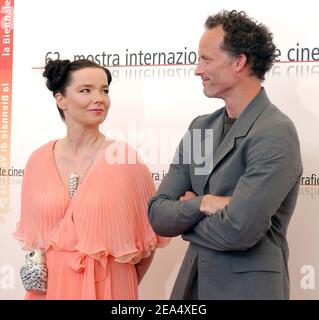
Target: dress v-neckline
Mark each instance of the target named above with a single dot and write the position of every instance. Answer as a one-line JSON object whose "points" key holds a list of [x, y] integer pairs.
{"points": [[88, 172]]}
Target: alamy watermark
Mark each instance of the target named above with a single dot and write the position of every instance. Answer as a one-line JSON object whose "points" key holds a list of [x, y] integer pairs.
{"points": [[196, 147]]}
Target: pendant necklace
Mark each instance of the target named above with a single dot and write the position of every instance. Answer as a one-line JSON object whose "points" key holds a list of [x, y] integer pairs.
{"points": [[74, 176]]}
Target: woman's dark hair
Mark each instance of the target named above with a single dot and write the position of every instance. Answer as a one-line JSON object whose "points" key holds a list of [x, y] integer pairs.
{"points": [[245, 36], [59, 75]]}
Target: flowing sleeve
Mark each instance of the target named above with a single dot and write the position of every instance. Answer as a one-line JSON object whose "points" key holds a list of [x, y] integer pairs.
{"points": [[42, 200], [141, 189], [27, 226]]}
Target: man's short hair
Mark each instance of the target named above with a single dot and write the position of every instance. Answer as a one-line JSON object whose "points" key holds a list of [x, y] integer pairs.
{"points": [[243, 35]]}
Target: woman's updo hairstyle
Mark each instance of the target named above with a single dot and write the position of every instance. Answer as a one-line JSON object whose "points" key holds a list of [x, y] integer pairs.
{"points": [[59, 75]]}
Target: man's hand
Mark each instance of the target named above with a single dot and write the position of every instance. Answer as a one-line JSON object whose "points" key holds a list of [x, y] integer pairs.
{"points": [[188, 195], [211, 203]]}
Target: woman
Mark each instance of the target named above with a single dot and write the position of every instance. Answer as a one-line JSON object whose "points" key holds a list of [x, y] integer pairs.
{"points": [[87, 214]]}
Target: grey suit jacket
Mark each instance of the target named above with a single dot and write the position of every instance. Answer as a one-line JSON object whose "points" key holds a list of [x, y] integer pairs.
{"points": [[241, 251]]}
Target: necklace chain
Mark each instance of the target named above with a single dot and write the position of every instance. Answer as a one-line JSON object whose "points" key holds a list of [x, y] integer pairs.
{"points": [[74, 176]]}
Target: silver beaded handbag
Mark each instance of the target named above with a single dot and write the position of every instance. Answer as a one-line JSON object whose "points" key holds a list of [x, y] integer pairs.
{"points": [[34, 273]]}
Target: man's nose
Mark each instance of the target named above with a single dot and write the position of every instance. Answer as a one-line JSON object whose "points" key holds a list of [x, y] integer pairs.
{"points": [[199, 69]]}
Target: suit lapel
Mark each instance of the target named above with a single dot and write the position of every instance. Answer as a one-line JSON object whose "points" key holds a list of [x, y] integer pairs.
{"points": [[210, 150], [239, 129]]}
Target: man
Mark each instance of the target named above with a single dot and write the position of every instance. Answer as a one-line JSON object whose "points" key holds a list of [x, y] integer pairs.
{"points": [[236, 215]]}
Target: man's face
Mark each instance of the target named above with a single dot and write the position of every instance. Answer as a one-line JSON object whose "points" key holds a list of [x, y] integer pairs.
{"points": [[216, 67]]}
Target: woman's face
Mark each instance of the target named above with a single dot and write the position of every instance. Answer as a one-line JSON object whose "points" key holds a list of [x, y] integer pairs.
{"points": [[86, 100]]}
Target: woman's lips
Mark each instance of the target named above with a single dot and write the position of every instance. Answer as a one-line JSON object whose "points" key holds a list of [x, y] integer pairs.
{"points": [[96, 110]]}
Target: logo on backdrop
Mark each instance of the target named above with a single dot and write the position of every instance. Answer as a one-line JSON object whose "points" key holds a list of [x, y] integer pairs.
{"points": [[7, 277], [309, 186], [6, 59], [307, 281]]}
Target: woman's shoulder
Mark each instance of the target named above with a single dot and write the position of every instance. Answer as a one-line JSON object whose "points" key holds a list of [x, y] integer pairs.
{"points": [[120, 152], [42, 152]]}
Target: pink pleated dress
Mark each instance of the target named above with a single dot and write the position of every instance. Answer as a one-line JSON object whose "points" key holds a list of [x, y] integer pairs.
{"points": [[93, 240]]}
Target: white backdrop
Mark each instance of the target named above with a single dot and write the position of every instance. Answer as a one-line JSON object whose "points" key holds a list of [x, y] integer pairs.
{"points": [[160, 102]]}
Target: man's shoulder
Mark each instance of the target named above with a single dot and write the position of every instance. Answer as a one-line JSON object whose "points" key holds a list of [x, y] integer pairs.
{"points": [[207, 120], [274, 133], [273, 120]]}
